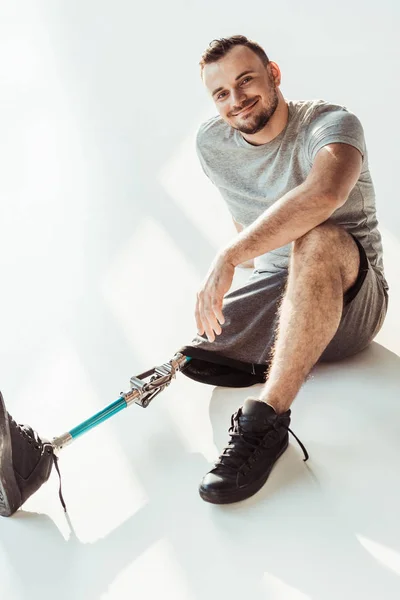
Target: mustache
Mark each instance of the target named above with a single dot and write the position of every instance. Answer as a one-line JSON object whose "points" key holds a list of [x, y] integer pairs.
{"points": [[243, 107]]}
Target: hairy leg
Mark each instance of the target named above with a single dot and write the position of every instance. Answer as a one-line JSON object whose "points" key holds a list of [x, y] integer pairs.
{"points": [[324, 265]]}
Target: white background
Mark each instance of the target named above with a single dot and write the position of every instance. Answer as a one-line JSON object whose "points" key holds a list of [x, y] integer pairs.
{"points": [[107, 228]]}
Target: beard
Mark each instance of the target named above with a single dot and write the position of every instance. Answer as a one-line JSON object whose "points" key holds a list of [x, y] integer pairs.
{"points": [[257, 122]]}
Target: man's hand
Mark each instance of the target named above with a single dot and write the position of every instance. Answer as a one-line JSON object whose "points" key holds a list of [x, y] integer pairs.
{"points": [[209, 317]]}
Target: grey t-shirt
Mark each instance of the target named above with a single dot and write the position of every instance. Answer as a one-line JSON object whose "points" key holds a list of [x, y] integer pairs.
{"points": [[251, 178]]}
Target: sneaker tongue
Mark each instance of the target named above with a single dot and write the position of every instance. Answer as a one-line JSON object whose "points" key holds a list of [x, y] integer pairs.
{"points": [[255, 415]]}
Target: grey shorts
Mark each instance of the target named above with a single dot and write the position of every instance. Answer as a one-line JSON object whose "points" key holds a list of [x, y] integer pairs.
{"points": [[240, 355], [364, 310]]}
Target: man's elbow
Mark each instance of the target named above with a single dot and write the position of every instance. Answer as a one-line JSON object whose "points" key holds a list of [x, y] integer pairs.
{"points": [[334, 199]]}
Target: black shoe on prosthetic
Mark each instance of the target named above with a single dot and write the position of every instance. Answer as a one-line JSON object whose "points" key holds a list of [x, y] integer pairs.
{"points": [[25, 463], [259, 436]]}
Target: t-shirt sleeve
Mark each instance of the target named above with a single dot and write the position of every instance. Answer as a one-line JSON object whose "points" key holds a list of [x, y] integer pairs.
{"points": [[334, 127], [200, 154]]}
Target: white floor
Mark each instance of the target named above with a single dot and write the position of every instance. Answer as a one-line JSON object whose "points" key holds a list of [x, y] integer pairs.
{"points": [[107, 228], [137, 527]]}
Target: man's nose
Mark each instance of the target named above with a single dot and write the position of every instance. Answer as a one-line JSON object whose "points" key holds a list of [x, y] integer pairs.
{"points": [[237, 98]]}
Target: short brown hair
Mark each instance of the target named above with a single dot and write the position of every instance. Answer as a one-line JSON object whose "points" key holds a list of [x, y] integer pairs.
{"points": [[219, 48]]}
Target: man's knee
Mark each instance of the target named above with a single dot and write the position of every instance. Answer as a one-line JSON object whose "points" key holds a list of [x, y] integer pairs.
{"points": [[330, 245]]}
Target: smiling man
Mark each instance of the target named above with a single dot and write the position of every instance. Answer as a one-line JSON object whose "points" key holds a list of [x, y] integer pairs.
{"points": [[295, 177], [296, 180]]}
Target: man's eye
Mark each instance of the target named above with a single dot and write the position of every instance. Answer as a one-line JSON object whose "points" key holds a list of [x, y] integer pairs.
{"points": [[246, 79], [219, 95]]}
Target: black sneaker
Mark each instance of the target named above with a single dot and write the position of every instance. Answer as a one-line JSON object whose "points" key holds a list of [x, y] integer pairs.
{"points": [[25, 463], [259, 436]]}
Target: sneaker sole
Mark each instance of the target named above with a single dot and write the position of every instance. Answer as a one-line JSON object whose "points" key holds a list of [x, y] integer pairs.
{"points": [[241, 493], [10, 496]]}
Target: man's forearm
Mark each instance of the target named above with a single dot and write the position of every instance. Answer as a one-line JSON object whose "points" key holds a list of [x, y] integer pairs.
{"points": [[249, 264], [296, 213]]}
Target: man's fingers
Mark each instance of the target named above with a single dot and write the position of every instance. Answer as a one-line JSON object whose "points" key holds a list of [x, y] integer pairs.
{"points": [[210, 321], [209, 317], [208, 328], [217, 308], [204, 316]]}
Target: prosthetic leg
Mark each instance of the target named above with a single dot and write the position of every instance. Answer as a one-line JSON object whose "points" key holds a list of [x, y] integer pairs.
{"points": [[144, 388], [26, 460]]}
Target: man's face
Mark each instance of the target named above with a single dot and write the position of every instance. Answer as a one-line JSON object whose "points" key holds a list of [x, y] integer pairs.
{"points": [[240, 81]]}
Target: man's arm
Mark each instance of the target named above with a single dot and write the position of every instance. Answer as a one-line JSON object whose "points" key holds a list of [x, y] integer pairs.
{"points": [[249, 264], [334, 173]]}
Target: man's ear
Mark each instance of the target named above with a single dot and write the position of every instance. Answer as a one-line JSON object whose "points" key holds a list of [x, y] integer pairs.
{"points": [[274, 72]]}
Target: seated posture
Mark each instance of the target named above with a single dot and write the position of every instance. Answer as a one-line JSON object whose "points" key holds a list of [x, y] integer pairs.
{"points": [[296, 180]]}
